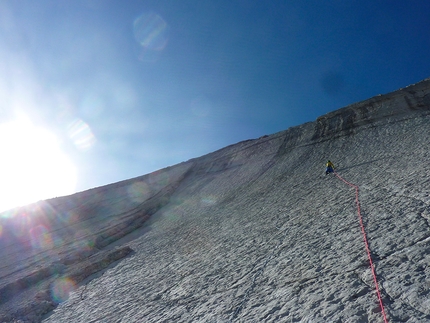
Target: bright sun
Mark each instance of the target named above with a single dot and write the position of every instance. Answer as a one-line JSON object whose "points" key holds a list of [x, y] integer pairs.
{"points": [[32, 165]]}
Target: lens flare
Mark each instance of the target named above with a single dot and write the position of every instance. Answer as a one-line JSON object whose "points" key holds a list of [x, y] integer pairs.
{"points": [[81, 135], [62, 288], [138, 192], [41, 238], [152, 34], [68, 217], [83, 242], [171, 216], [208, 201], [159, 177], [151, 31], [21, 225]]}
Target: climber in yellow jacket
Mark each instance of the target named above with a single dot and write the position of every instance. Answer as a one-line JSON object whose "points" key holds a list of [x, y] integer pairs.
{"points": [[330, 167]]}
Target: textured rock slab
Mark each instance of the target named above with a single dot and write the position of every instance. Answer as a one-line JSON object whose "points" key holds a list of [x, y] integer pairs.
{"points": [[40, 292], [255, 232]]}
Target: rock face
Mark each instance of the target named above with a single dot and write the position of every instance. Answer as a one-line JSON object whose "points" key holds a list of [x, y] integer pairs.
{"points": [[254, 232]]}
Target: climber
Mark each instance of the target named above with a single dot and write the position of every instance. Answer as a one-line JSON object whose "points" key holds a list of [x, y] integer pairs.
{"points": [[330, 167]]}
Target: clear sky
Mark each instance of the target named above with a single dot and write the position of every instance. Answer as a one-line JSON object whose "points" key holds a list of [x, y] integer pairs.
{"points": [[97, 91]]}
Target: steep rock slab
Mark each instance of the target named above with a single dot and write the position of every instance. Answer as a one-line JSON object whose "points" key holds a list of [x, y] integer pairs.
{"points": [[256, 233], [46, 241]]}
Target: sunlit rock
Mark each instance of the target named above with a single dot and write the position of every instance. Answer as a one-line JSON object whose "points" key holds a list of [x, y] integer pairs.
{"points": [[253, 232]]}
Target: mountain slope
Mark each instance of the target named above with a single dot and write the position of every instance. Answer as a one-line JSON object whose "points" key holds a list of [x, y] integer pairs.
{"points": [[254, 232]]}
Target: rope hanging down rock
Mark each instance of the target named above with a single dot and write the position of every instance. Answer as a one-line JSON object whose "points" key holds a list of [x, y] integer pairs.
{"points": [[372, 268], [277, 248]]}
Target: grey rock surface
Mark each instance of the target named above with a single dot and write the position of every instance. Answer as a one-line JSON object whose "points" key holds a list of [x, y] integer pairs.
{"points": [[254, 232]]}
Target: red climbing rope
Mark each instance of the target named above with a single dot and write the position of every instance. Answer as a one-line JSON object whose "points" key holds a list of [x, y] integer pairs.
{"points": [[366, 244]]}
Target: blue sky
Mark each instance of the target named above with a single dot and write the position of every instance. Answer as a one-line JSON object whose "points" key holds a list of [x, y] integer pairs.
{"points": [[110, 90]]}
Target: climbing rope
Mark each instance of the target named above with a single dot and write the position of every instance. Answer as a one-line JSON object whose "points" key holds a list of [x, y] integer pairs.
{"points": [[372, 268], [277, 248]]}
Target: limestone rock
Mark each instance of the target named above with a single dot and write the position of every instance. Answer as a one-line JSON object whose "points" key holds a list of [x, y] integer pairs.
{"points": [[253, 232]]}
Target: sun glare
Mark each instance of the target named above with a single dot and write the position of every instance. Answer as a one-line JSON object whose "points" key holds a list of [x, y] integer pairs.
{"points": [[32, 165]]}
